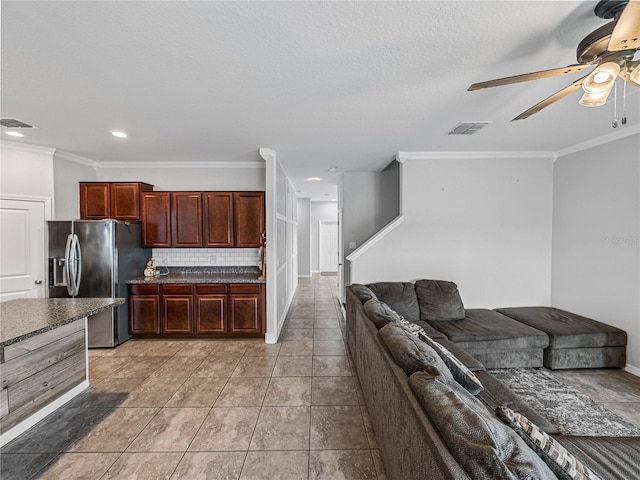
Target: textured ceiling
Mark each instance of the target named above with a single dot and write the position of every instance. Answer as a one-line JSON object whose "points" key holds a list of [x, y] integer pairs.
{"points": [[322, 83]]}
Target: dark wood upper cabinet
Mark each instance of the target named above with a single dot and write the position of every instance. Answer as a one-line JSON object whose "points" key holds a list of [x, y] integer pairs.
{"points": [[248, 208], [119, 200], [186, 219], [94, 201], [218, 219], [156, 219]]}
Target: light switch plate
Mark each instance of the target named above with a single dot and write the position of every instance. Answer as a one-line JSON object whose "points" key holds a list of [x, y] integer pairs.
{"points": [[352, 244]]}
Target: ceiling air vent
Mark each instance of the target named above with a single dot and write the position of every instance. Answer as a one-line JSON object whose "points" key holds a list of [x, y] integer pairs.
{"points": [[467, 128], [13, 123]]}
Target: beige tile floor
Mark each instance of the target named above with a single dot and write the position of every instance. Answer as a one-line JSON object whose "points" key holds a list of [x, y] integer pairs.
{"points": [[210, 409]]}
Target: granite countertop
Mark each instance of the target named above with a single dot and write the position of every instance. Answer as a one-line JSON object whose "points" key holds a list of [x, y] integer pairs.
{"points": [[202, 275], [26, 317]]}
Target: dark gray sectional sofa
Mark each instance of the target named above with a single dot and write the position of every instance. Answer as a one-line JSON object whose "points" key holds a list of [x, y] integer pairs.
{"points": [[427, 425]]}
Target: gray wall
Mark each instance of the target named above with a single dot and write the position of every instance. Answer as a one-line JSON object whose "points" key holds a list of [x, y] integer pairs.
{"points": [[66, 175], [596, 237], [304, 237], [388, 195]]}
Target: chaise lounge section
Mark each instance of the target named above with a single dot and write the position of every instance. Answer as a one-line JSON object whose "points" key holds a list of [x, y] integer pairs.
{"points": [[574, 341]]}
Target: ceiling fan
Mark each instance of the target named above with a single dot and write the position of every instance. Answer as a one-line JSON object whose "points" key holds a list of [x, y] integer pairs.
{"points": [[611, 48]]}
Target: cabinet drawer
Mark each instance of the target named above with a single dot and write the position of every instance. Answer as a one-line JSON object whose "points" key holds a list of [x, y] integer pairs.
{"points": [[144, 289], [244, 288], [211, 288], [176, 289]]}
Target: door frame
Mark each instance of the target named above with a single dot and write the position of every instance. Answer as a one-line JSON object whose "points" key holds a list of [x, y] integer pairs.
{"points": [[321, 246], [47, 204]]}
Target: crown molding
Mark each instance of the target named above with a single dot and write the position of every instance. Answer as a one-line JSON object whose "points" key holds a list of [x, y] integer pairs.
{"points": [[25, 147], [403, 157], [602, 140], [107, 165], [72, 157], [267, 153]]}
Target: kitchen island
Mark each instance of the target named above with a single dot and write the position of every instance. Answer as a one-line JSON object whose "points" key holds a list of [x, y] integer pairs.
{"points": [[43, 357], [203, 302]]}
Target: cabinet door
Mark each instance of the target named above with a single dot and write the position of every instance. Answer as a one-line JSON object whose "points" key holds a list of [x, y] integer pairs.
{"points": [[246, 312], [177, 309], [248, 218], [218, 219], [94, 201], [186, 219], [156, 219], [211, 308], [125, 201], [144, 314]]}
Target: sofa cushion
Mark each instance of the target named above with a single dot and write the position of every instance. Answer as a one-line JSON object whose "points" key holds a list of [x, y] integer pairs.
{"points": [[484, 329], [460, 372], [566, 329], [380, 313], [411, 354], [429, 330], [469, 361], [362, 293], [439, 300], [561, 462], [484, 446], [608, 457], [400, 296]]}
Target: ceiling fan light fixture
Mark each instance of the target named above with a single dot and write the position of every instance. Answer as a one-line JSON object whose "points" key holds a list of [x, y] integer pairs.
{"points": [[594, 99], [602, 78]]}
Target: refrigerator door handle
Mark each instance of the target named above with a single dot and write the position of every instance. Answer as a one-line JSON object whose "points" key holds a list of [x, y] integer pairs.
{"points": [[73, 262], [67, 265], [78, 264]]}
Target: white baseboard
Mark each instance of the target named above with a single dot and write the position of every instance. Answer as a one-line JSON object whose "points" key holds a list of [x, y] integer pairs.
{"points": [[26, 424], [633, 370]]}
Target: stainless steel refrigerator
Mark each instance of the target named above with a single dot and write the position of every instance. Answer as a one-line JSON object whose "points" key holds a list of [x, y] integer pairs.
{"points": [[95, 258]]}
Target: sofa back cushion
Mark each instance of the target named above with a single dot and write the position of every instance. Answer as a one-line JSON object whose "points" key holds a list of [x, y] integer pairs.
{"points": [[439, 300], [380, 313], [485, 447], [363, 293], [400, 296], [411, 354]]}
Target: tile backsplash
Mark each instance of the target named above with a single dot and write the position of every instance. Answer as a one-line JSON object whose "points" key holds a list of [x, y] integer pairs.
{"points": [[197, 257]]}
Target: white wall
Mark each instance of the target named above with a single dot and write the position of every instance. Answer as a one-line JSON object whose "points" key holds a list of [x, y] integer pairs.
{"points": [[320, 211], [484, 223], [304, 237], [26, 170], [596, 237], [282, 244], [188, 177], [68, 170]]}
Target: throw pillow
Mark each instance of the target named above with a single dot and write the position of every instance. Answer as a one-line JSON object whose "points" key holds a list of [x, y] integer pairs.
{"points": [[485, 447], [460, 372], [562, 462], [439, 300], [410, 327], [411, 354], [380, 313]]}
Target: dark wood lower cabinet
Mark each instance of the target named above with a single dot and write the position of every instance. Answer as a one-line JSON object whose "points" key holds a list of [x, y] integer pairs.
{"points": [[203, 310]]}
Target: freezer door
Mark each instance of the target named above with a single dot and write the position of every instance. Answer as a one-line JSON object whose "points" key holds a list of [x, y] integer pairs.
{"points": [[57, 233]]}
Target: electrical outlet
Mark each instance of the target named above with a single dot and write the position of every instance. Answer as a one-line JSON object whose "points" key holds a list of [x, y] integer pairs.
{"points": [[352, 244], [212, 260]]}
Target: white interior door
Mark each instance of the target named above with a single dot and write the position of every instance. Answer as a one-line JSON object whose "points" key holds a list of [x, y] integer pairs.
{"points": [[328, 246], [22, 265]]}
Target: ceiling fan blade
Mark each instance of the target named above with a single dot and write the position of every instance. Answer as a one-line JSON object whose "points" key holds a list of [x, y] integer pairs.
{"points": [[553, 98], [626, 33], [525, 77]]}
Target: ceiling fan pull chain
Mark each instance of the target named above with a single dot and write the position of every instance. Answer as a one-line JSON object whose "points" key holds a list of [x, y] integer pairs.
{"points": [[614, 124], [623, 120]]}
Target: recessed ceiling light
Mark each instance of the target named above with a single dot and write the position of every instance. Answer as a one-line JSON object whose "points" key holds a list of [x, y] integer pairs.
{"points": [[314, 179], [14, 134], [333, 200], [333, 169], [118, 134]]}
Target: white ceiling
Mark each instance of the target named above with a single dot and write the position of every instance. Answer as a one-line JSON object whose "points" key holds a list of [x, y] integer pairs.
{"points": [[322, 83]]}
